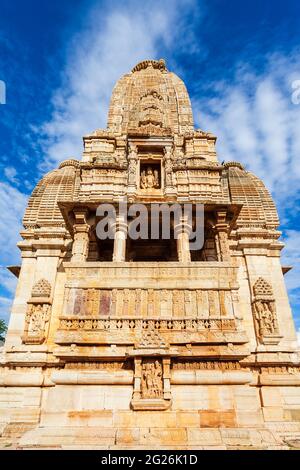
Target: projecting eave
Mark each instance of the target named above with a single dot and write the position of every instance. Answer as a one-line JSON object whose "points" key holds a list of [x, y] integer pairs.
{"points": [[67, 208], [15, 270]]}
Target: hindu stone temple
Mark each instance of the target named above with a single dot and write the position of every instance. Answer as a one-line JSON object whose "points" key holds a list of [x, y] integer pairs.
{"points": [[131, 343]]}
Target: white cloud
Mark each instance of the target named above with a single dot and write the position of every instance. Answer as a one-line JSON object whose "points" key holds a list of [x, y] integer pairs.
{"points": [[114, 40], [11, 173], [291, 257], [257, 123], [12, 206], [298, 337]]}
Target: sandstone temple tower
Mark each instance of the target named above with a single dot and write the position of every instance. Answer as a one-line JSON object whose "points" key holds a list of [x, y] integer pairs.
{"points": [[144, 343]]}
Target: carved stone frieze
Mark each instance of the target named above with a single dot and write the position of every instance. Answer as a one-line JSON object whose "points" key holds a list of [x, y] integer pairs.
{"points": [[179, 324]]}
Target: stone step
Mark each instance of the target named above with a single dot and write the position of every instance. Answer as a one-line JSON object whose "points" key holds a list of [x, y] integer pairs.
{"points": [[12, 432], [149, 438]]}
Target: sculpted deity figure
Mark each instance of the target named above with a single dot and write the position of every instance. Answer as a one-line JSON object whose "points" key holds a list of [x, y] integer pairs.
{"points": [[152, 384], [149, 178], [37, 321], [266, 317]]}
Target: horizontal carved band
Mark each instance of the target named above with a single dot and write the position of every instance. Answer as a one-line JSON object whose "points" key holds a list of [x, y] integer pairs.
{"points": [[142, 324]]}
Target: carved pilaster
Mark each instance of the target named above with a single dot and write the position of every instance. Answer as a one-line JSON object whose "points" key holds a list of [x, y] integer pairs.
{"points": [[132, 169], [169, 183]]}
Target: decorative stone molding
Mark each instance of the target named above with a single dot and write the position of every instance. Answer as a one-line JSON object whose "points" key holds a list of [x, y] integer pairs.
{"points": [[151, 339], [180, 364], [103, 365], [233, 164], [127, 324], [41, 289], [264, 312], [156, 64], [71, 162]]}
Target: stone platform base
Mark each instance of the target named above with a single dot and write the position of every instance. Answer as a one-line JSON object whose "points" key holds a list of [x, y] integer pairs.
{"points": [[104, 438]]}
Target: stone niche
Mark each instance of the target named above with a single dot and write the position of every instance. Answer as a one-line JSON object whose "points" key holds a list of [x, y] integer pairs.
{"points": [[152, 389], [38, 313], [150, 173]]}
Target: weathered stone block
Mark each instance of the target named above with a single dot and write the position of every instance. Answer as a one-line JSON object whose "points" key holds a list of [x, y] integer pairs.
{"points": [[217, 419]]}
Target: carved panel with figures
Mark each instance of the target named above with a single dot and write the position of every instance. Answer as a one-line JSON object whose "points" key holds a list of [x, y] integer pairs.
{"points": [[166, 303], [264, 312], [38, 313]]}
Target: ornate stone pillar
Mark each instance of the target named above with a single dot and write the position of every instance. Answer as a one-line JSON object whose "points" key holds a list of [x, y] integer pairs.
{"points": [[182, 233], [221, 230], [120, 237], [80, 248]]}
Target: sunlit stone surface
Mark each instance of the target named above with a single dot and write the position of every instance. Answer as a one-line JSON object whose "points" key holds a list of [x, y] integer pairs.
{"points": [[128, 343]]}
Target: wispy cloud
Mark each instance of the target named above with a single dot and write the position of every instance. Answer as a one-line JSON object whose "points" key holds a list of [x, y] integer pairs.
{"points": [[257, 123], [10, 173], [97, 58], [12, 206], [291, 257]]}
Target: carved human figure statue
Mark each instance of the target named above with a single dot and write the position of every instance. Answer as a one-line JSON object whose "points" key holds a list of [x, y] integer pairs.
{"points": [[265, 317], [157, 379], [36, 321], [152, 380], [149, 178]]}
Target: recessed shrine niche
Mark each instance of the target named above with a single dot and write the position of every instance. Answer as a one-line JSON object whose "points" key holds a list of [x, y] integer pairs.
{"points": [[150, 173]]}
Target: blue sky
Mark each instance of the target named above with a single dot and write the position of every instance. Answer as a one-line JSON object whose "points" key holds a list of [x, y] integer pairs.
{"points": [[60, 59]]}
